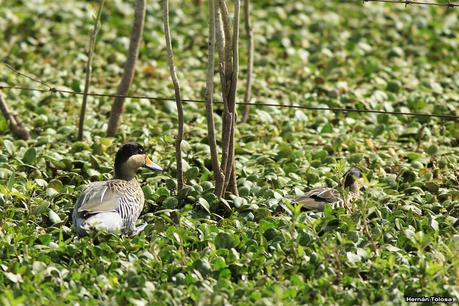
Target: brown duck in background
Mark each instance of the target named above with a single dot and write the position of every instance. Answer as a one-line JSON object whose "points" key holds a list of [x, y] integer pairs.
{"points": [[316, 199]]}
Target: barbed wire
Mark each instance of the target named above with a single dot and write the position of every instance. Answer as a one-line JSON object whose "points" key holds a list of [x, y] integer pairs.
{"points": [[449, 4], [311, 108], [53, 89]]}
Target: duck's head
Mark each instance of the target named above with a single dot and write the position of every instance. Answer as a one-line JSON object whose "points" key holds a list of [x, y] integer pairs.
{"points": [[353, 180], [129, 158]]}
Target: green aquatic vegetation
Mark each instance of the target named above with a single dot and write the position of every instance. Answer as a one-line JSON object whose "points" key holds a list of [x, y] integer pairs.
{"points": [[401, 238]]}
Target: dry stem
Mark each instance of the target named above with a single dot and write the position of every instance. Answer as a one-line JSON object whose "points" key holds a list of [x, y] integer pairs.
{"points": [[250, 50], [92, 44], [219, 178], [129, 68], [178, 101], [15, 124]]}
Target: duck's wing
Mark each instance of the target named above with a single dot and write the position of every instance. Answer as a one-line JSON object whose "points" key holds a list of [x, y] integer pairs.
{"points": [[99, 197], [317, 198]]}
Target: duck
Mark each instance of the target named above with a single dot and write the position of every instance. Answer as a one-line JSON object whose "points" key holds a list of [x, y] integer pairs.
{"points": [[114, 205], [317, 198]]}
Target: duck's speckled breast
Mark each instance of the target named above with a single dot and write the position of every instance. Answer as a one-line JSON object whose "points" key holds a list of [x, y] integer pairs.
{"points": [[131, 202]]}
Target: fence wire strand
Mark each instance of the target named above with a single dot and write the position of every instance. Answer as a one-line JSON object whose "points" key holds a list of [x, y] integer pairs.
{"points": [[448, 4], [256, 104], [54, 90]]}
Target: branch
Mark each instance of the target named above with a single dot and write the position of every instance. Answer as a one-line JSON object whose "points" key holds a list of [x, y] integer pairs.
{"points": [[178, 101], [232, 97], [250, 50], [129, 68], [235, 59], [226, 117], [219, 179], [15, 124], [366, 228], [220, 38], [223, 9], [92, 43]]}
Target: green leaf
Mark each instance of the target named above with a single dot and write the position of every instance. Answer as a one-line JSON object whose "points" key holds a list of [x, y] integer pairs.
{"points": [[9, 146], [30, 156], [76, 85], [226, 241], [204, 204], [432, 150], [192, 173], [327, 128], [353, 258], [15, 278], [3, 124], [170, 203], [53, 217]]}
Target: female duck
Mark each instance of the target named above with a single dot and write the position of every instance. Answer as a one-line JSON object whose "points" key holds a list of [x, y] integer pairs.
{"points": [[316, 199], [115, 205]]}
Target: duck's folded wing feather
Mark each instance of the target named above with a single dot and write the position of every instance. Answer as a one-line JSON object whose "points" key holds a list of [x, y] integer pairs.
{"points": [[317, 198], [99, 197], [329, 195]]}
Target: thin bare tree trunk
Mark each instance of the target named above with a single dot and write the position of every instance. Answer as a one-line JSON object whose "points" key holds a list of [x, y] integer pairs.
{"points": [[228, 43], [178, 101], [222, 60], [230, 171], [92, 44], [250, 50], [129, 68], [220, 38], [219, 178], [14, 123], [232, 187]]}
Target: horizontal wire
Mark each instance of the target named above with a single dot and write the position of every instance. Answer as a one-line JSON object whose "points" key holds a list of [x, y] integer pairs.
{"points": [[408, 2], [312, 108]]}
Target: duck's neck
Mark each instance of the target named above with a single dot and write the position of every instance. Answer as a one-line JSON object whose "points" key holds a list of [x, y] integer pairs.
{"points": [[123, 177], [122, 173], [354, 187]]}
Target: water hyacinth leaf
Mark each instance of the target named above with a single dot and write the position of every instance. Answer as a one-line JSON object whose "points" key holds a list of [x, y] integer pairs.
{"points": [[226, 241], [15, 278], [5, 173], [30, 156], [53, 217], [251, 247], [51, 192], [170, 203], [353, 258], [9, 146], [204, 204]]}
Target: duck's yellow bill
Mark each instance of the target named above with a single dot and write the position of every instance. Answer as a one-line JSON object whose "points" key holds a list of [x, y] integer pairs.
{"points": [[151, 165]]}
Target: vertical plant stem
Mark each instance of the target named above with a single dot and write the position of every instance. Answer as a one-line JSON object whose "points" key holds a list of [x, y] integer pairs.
{"points": [[226, 117], [223, 9], [250, 50], [235, 54], [225, 59], [232, 98], [366, 229], [219, 179], [178, 101], [232, 186], [15, 125], [220, 40], [129, 68], [92, 44]]}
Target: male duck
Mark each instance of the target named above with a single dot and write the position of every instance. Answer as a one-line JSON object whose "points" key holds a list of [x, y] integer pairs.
{"points": [[316, 199], [115, 205]]}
